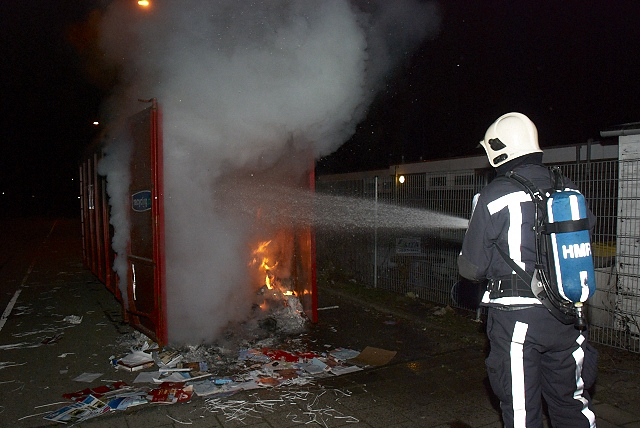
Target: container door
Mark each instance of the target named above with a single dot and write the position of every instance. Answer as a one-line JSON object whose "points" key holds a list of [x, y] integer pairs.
{"points": [[146, 308]]}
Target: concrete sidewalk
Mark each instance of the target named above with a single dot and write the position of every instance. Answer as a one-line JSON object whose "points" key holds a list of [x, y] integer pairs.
{"points": [[436, 380]]}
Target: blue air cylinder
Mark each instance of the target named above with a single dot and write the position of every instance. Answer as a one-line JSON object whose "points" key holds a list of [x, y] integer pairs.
{"points": [[571, 246]]}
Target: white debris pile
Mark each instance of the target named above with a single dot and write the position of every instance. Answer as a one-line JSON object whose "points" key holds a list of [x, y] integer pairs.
{"points": [[290, 318]]}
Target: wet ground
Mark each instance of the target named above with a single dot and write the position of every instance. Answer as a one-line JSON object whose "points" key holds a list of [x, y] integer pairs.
{"points": [[436, 378]]}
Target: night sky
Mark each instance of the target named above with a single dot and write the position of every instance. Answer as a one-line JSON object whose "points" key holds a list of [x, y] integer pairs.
{"points": [[47, 107], [572, 66]]}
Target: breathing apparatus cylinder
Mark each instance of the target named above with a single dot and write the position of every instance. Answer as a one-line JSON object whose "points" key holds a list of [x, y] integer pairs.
{"points": [[568, 238]]}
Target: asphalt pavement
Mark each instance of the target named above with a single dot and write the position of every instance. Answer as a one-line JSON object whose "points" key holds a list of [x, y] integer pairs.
{"points": [[436, 379]]}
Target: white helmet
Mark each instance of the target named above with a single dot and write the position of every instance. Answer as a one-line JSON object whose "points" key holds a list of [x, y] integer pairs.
{"points": [[512, 135]]}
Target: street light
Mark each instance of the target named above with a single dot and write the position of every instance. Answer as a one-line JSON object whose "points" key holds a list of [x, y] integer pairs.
{"points": [[143, 3]]}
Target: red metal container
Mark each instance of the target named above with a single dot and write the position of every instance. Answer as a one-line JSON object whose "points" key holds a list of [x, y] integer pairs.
{"points": [[144, 306]]}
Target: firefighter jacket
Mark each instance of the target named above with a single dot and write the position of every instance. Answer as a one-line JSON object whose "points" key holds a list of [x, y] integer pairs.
{"points": [[504, 216]]}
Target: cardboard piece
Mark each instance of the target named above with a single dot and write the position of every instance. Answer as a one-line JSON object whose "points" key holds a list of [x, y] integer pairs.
{"points": [[373, 357]]}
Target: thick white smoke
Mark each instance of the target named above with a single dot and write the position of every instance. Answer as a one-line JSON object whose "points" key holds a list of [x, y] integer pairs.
{"points": [[115, 165], [244, 85]]}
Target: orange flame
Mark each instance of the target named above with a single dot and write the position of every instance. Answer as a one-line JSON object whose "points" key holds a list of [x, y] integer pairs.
{"points": [[267, 281], [262, 249], [265, 264], [263, 258]]}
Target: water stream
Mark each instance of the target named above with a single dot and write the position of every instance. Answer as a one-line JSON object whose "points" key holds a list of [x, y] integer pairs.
{"points": [[298, 207]]}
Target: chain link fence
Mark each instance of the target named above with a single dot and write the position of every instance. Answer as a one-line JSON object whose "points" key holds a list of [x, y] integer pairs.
{"points": [[423, 261]]}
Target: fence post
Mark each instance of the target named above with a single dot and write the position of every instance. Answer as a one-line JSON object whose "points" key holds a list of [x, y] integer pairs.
{"points": [[628, 225], [375, 236]]}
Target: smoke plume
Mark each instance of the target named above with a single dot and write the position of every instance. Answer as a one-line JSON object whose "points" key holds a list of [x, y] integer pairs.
{"points": [[245, 87]]}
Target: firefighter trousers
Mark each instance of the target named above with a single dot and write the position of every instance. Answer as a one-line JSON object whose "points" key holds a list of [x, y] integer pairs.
{"points": [[534, 356]]}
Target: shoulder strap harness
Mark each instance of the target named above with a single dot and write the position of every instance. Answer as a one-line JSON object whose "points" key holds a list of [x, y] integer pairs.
{"points": [[565, 312]]}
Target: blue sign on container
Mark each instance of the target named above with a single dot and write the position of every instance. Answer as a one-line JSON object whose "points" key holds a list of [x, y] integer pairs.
{"points": [[141, 201]]}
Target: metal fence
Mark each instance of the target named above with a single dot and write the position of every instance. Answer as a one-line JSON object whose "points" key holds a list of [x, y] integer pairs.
{"points": [[423, 262]]}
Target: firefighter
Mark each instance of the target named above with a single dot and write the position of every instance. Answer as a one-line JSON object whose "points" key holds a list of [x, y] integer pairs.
{"points": [[533, 355]]}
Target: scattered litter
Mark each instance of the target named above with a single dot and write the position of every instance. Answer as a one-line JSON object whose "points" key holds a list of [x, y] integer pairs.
{"points": [[65, 354], [97, 392], [298, 381], [217, 373], [87, 377], [50, 340], [125, 401], [34, 332], [21, 310], [18, 345], [31, 416], [167, 359], [253, 354], [315, 366], [73, 319], [328, 307], [341, 370], [442, 311], [136, 360], [313, 412], [80, 411], [7, 364], [180, 422], [146, 377], [207, 388], [171, 392], [342, 354], [57, 403], [172, 377]]}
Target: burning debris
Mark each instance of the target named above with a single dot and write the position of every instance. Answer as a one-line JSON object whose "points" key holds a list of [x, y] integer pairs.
{"points": [[277, 306]]}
